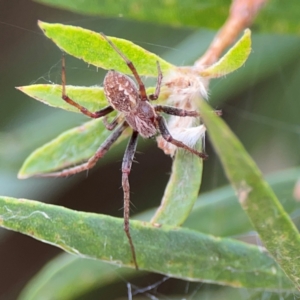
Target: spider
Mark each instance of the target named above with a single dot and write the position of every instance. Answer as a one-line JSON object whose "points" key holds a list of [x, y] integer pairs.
{"points": [[134, 110]]}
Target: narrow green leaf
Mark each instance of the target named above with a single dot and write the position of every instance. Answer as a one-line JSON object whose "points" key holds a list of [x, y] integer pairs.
{"points": [[260, 66], [182, 190], [179, 253], [232, 60], [274, 17], [69, 148], [174, 12], [221, 203], [93, 48], [61, 272], [268, 217], [92, 98], [65, 271]]}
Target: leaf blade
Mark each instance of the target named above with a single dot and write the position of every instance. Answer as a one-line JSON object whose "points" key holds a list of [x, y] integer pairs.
{"points": [[94, 49], [65, 270], [69, 148], [210, 206], [274, 17], [92, 98], [232, 60], [102, 237], [182, 190], [175, 13], [278, 233]]}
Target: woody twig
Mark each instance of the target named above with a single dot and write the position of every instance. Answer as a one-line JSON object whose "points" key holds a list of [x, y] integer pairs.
{"points": [[242, 14]]}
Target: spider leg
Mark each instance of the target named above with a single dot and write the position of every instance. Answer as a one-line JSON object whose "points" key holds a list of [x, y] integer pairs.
{"points": [[92, 161], [131, 66], [113, 124], [126, 167], [162, 126], [158, 84], [170, 110], [95, 115]]}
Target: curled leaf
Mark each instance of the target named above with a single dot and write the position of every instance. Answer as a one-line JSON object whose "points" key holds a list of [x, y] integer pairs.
{"points": [[232, 60]]}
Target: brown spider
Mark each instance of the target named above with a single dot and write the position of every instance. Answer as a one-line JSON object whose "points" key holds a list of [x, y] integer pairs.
{"points": [[135, 111]]}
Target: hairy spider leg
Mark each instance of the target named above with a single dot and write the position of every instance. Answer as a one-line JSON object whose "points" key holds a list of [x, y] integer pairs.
{"points": [[170, 110], [105, 146], [163, 129], [158, 83], [130, 65], [100, 113], [126, 167], [113, 124]]}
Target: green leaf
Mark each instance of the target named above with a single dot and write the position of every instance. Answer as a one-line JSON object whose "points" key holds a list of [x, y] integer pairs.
{"points": [[268, 217], [61, 272], [182, 190], [274, 17], [280, 18], [260, 66], [69, 148], [65, 271], [222, 202], [92, 98], [233, 59], [94, 49], [174, 12], [180, 253]]}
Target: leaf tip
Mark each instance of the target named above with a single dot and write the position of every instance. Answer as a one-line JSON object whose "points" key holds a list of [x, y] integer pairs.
{"points": [[42, 25], [247, 32], [22, 175]]}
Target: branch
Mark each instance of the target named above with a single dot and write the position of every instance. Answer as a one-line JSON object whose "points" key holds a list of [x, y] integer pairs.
{"points": [[242, 14]]}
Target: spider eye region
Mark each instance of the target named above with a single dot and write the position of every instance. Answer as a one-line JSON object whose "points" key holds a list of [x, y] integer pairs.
{"points": [[120, 91]]}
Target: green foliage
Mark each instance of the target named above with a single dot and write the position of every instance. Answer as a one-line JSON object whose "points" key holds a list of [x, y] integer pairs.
{"points": [[54, 156], [233, 59], [185, 180], [161, 249], [69, 148], [62, 272], [277, 231], [217, 213], [276, 16], [68, 277], [92, 98], [80, 143], [188, 13], [94, 49]]}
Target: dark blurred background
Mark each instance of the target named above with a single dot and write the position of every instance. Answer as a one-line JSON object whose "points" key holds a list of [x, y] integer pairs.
{"points": [[260, 103]]}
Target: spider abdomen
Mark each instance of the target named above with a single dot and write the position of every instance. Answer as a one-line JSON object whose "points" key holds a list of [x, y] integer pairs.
{"points": [[143, 126], [120, 91]]}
